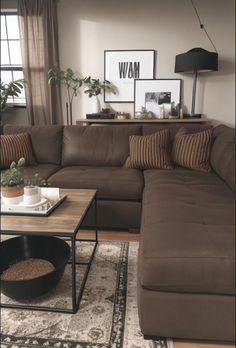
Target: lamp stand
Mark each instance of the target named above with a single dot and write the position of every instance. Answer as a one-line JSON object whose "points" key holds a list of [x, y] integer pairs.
{"points": [[192, 114]]}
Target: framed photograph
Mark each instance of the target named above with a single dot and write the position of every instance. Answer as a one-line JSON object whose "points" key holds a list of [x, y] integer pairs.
{"points": [[122, 68], [159, 97]]}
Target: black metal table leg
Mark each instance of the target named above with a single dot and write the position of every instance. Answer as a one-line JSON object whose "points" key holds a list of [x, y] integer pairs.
{"points": [[73, 273], [89, 263], [96, 218]]}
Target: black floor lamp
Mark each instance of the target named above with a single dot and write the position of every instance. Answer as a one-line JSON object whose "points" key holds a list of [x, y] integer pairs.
{"points": [[195, 60]]}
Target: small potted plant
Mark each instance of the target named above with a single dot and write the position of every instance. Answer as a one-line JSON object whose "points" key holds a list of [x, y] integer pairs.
{"points": [[12, 183], [32, 192], [95, 87]]}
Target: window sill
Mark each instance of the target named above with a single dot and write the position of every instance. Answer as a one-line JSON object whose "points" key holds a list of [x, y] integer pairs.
{"points": [[20, 106]]}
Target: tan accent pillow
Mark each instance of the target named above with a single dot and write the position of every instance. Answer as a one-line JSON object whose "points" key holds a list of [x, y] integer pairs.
{"points": [[15, 146], [192, 150], [149, 151]]}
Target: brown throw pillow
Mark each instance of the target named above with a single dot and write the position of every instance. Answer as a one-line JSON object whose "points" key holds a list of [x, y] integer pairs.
{"points": [[192, 150], [149, 151], [15, 146]]}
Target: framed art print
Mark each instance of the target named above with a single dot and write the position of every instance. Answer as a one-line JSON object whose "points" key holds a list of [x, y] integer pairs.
{"points": [[157, 96], [122, 68]]}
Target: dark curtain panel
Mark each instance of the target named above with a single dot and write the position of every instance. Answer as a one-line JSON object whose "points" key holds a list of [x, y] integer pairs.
{"points": [[39, 43]]}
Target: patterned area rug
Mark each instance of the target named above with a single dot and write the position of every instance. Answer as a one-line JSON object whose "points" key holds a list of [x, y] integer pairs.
{"points": [[107, 317]]}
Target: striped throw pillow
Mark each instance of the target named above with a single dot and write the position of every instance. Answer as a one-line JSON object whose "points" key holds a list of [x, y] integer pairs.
{"points": [[192, 150], [13, 147], [149, 151]]}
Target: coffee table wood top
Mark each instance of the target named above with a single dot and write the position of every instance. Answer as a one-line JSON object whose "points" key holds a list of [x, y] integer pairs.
{"points": [[63, 220]]}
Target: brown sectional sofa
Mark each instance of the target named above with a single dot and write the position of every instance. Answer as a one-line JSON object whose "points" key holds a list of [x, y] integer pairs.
{"points": [[186, 262]]}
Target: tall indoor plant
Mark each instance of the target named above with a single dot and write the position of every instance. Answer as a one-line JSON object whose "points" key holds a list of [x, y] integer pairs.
{"points": [[95, 87], [72, 83]]}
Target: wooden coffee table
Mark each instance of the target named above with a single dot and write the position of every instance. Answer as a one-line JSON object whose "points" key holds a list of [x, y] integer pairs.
{"points": [[64, 222]]}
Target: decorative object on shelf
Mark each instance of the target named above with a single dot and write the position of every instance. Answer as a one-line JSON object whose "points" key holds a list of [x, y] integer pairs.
{"points": [[144, 114], [12, 183], [72, 83], [194, 60], [11, 89], [106, 110], [122, 67], [153, 98], [101, 115], [95, 87], [122, 115], [95, 104]]}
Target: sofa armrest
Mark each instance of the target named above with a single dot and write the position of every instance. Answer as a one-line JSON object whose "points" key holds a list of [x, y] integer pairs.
{"points": [[223, 154]]}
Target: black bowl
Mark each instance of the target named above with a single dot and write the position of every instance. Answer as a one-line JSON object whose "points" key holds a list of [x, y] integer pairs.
{"points": [[52, 249]]}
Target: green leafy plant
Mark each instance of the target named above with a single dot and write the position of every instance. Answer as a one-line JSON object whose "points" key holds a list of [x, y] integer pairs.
{"points": [[11, 89], [72, 83], [35, 180], [68, 78], [14, 175], [95, 87]]}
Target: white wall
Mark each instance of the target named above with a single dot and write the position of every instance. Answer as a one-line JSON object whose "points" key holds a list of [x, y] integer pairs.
{"points": [[88, 27]]}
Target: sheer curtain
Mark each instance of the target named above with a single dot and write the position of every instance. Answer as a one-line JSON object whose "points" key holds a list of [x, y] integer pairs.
{"points": [[39, 44]]}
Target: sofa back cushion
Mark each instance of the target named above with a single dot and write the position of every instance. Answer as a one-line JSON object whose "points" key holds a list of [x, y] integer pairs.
{"points": [[149, 151], [192, 150], [46, 141], [223, 154], [97, 145], [173, 128]]}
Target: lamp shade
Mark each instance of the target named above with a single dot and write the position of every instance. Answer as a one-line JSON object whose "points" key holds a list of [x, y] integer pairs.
{"points": [[196, 59]]}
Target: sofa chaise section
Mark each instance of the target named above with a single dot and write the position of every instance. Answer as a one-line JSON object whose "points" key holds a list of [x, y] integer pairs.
{"points": [[188, 241], [186, 262]]}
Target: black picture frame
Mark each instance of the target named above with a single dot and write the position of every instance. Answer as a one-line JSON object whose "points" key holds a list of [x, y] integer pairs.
{"points": [[147, 70], [152, 82]]}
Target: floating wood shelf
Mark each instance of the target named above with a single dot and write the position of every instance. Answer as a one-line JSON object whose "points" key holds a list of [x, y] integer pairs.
{"points": [[133, 120]]}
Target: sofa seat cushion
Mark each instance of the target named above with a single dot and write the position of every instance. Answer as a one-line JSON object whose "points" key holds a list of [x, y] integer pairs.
{"points": [[111, 182], [187, 233], [43, 170]]}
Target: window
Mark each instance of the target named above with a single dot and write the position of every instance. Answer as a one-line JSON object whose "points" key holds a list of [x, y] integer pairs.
{"points": [[11, 63]]}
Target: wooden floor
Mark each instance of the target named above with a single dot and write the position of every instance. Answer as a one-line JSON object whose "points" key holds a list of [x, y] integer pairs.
{"points": [[134, 237]]}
